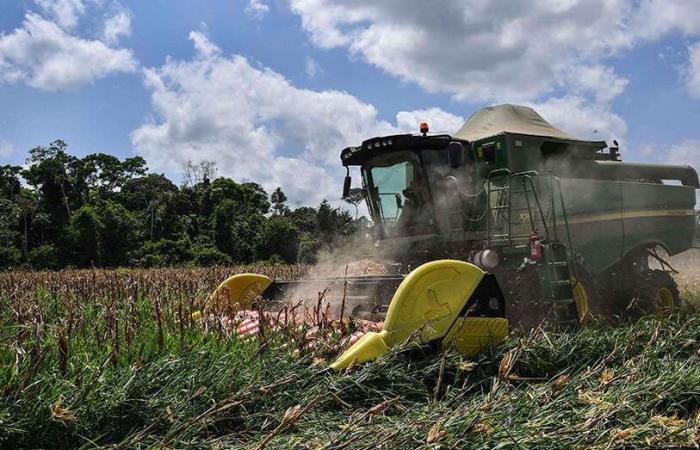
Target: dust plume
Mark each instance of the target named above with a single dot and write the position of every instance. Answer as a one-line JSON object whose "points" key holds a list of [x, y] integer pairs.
{"points": [[330, 283]]}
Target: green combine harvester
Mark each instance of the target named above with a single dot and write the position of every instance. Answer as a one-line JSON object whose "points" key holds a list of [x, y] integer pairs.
{"points": [[506, 223]]}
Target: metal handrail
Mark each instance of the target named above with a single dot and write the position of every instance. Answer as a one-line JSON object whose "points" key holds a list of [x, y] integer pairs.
{"points": [[489, 176], [527, 178], [566, 225]]}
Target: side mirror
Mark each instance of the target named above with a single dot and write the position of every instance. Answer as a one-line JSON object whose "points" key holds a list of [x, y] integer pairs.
{"points": [[455, 154], [346, 186], [399, 203]]}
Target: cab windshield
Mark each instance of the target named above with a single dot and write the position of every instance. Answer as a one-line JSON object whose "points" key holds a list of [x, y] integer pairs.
{"points": [[395, 195]]}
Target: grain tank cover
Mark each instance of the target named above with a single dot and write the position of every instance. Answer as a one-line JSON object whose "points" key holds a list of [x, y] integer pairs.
{"points": [[512, 119]]}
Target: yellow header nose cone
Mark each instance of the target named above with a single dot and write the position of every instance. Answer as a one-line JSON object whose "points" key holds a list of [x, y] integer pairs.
{"points": [[239, 291], [427, 303], [368, 347]]}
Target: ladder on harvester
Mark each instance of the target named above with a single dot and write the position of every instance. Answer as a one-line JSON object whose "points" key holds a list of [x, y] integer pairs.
{"points": [[559, 290], [557, 287], [561, 268]]}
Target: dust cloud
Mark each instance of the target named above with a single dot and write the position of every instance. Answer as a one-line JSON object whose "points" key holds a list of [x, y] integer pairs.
{"points": [[328, 288], [688, 266]]}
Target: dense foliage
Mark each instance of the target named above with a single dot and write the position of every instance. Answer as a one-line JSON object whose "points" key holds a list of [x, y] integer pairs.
{"points": [[114, 359], [99, 211]]}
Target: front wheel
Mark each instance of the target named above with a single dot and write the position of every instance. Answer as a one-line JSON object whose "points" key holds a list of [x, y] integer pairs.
{"points": [[589, 302]]}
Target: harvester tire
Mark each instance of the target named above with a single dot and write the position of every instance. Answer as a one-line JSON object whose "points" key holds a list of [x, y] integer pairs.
{"points": [[657, 293], [589, 302]]}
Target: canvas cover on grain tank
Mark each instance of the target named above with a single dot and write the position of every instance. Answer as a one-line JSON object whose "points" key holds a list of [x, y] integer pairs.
{"points": [[514, 119]]}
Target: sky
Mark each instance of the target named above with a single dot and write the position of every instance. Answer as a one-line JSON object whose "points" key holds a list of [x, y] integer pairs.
{"points": [[272, 90]]}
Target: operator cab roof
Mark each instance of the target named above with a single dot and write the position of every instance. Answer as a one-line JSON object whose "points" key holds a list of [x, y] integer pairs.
{"points": [[352, 156]]}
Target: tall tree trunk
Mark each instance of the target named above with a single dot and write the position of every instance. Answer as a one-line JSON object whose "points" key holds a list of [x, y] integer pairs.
{"points": [[25, 251], [65, 199]]}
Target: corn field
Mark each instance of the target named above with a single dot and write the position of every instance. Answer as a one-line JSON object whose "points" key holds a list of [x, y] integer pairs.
{"points": [[117, 359]]}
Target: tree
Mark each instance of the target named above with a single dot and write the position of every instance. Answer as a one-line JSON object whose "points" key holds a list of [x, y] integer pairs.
{"points": [[278, 200], [9, 181], [308, 249], [138, 193], [333, 223], [10, 212], [193, 174], [100, 210], [44, 257], [106, 174], [118, 237], [210, 256], [151, 196], [305, 218], [163, 253], [255, 199], [51, 174], [84, 234], [355, 197], [27, 203], [232, 234], [280, 237], [9, 253]]}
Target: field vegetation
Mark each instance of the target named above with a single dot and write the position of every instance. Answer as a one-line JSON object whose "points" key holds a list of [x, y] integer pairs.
{"points": [[114, 359]]}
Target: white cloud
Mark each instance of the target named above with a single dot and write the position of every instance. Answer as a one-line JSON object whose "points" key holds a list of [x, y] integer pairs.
{"points": [[692, 71], [496, 51], [257, 9], [655, 18], [438, 120], [66, 13], [477, 50], [583, 119], [652, 19], [204, 47], [597, 81], [256, 125], [312, 68], [116, 26], [43, 55], [685, 153], [6, 149]]}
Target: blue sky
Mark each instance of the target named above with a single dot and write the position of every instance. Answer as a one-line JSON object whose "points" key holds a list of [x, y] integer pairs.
{"points": [[272, 89]]}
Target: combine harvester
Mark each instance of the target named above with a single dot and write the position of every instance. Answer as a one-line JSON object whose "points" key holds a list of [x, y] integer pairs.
{"points": [[508, 222]]}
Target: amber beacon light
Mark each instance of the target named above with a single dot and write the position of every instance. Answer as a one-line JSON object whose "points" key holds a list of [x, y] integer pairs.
{"points": [[424, 128]]}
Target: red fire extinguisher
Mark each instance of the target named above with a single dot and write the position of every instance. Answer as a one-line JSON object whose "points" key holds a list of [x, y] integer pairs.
{"points": [[535, 246]]}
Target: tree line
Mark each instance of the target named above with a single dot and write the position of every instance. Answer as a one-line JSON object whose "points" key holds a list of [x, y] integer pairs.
{"points": [[61, 211]]}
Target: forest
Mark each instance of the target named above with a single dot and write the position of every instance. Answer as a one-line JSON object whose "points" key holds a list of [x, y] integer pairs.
{"points": [[61, 211]]}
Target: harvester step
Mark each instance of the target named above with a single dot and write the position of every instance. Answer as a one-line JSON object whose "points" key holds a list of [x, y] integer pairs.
{"points": [[561, 302], [573, 322], [565, 301], [501, 207], [559, 264], [496, 189], [561, 283]]}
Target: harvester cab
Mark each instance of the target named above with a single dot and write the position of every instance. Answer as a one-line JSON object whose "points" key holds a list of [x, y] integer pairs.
{"points": [[409, 180], [506, 223]]}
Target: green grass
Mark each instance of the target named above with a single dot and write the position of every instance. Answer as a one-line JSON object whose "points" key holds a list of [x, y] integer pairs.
{"points": [[103, 373]]}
